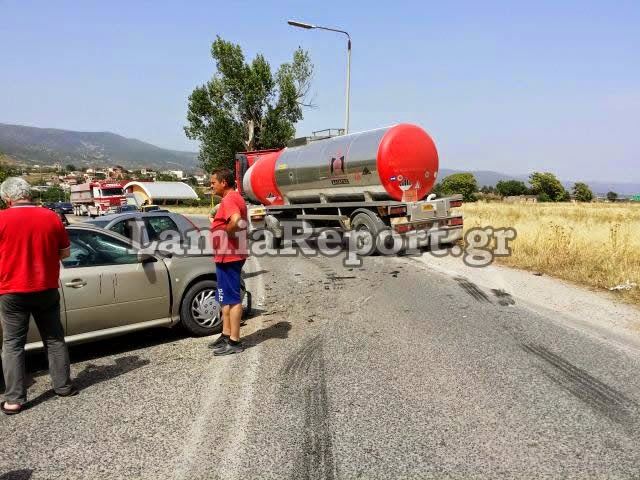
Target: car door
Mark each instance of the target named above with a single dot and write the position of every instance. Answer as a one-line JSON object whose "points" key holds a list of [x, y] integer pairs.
{"points": [[87, 288], [105, 285]]}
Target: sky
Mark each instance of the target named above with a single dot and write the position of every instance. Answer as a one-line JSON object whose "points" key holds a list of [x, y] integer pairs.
{"points": [[507, 86]]}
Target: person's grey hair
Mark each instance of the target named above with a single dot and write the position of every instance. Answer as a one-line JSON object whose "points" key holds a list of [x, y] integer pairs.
{"points": [[15, 189]]}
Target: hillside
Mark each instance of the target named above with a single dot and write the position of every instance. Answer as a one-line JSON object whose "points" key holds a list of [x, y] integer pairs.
{"points": [[47, 146]]}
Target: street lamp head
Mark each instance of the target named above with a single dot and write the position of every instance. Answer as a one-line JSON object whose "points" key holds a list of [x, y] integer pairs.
{"points": [[293, 23]]}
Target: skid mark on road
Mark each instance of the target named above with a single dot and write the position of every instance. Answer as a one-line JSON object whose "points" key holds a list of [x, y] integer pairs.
{"points": [[473, 290], [222, 405], [587, 388], [316, 459]]}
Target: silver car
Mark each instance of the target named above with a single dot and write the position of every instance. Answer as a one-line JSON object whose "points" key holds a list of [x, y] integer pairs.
{"points": [[109, 288]]}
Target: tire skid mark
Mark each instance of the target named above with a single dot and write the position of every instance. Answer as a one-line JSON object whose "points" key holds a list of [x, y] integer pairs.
{"points": [[333, 279], [300, 360], [584, 386], [473, 290], [316, 459]]}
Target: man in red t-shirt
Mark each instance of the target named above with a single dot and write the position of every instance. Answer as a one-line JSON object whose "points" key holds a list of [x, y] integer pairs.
{"points": [[33, 240], [229, 238]]}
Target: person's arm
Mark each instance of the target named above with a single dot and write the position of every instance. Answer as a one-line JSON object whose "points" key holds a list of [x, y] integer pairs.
{"points": [[235, 224], [65, 244]]}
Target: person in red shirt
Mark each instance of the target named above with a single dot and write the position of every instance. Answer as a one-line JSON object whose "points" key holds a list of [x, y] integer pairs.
{"points": [[33, 240], [229, 237]]}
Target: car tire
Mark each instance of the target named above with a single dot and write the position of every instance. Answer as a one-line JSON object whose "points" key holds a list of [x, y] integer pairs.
{"points": [[194, 313]]}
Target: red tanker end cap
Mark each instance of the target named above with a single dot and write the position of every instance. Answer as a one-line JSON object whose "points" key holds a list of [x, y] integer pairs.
{"points": [[407, 162], [263, 180]]}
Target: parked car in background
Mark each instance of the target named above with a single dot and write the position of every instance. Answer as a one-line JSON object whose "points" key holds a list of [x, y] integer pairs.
{"points": [[146, 227], [110, 288], [64, 207], [123, 209]]}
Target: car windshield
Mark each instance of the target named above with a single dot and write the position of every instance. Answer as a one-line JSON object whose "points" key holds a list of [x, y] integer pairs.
{"points": [[111, 192]]}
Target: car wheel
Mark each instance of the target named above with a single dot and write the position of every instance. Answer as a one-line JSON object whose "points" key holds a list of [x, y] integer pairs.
{"points": [[200, 313]]}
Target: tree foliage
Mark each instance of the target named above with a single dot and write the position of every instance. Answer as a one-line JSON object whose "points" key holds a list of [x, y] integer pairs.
{"points": [[546, 183], [508, 188], [246, 106], [54, 194], [612, 196], [582, 192], [462, 183]]}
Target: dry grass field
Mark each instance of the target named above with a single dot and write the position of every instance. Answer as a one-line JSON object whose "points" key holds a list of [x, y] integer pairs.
{"points": [[597, 245]]}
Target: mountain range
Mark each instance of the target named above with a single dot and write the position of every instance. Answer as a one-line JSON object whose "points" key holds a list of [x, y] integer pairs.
{"points": [[46, 146]]}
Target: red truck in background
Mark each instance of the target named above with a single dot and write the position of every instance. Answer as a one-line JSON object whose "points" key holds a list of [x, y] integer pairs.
{"points": [[96, 197]]}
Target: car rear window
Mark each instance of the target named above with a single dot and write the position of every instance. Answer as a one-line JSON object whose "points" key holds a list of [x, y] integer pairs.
{"points": [[159, 224]]}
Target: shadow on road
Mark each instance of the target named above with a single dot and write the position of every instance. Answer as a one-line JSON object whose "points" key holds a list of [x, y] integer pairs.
{"points": [[278, 330], [17, 475], [37, 361], [94, 374], [254, 274]]}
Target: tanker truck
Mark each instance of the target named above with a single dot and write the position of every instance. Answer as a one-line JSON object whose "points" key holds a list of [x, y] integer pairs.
{"points": [[373, 182]]}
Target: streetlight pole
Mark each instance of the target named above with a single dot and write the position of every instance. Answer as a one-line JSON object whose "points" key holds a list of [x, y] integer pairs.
{"points": [[309, 26]]}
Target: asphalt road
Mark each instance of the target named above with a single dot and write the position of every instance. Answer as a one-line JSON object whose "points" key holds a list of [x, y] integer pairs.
{"points": [[391, 370]]}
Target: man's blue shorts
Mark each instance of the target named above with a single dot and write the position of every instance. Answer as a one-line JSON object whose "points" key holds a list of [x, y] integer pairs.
{"points": [[228, 274]]}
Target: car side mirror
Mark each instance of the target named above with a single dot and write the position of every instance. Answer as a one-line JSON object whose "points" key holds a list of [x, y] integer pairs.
{"points": [[146, 258]]}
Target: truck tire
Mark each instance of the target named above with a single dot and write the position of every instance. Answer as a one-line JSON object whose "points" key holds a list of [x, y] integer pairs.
{"points": [[368, 230], [372, 225], [200, 313]]}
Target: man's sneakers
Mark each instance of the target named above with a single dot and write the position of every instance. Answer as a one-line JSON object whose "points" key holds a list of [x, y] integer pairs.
{"points": [[227, 348], [219, 341]]}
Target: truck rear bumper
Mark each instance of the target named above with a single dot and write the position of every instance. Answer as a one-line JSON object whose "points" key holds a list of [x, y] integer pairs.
{"points": [[441, 235]]}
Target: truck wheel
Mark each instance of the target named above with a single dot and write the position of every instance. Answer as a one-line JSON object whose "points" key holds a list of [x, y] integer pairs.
{"points": [[370, 228], [366, 231], [200, 312]]}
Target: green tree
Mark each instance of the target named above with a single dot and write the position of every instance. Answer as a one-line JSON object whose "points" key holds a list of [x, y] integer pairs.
{"points": [[612, 196], [4, 173], [463, 183], [582, 192], [166, 177], [71, 168], [191, 180], [508, 188], [542, 197], [246, 106], [548, 184], [53, 194]]}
